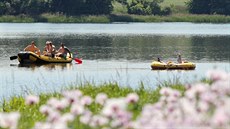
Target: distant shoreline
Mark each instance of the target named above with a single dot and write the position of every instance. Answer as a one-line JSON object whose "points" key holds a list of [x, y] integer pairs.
{"points": [[49, 18]]}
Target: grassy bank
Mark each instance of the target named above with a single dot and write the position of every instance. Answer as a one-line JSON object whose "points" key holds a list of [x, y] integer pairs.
{"points": [[31, 114], [172, 18], [117, 18], [202, 104]]}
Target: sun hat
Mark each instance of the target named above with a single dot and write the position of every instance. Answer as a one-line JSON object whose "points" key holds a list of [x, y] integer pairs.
{"points": [[47, 42]]}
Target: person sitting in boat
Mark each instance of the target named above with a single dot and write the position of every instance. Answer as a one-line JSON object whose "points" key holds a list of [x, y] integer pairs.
{"points": [[179, 60], [61, 51], [49, 49], [158, 59], [46, 49], [32, 47]]}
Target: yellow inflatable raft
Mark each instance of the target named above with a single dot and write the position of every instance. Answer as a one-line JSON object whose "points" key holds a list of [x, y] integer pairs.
{"points": [[171, 65], [30, 57]]}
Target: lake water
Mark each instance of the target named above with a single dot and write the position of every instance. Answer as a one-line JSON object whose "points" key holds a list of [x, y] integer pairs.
{"points": [[118, 52]]}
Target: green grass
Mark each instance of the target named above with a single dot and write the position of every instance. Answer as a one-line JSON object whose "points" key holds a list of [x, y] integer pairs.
{"points": [[16, 19], [118, 18], [31, 114], [172, 18], [174, 2], [75, 19], [51, 18]]}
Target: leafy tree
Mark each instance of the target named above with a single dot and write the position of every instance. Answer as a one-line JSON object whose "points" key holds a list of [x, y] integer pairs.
{"points": [[10, 7], [124, 2], [78, 7], [28, 7], [156, 9], [147, 7], [166, 11], [209, 7], [2, 8], [68, 7], [98, 6], [220, 7], [35, 7], [199, 6]]}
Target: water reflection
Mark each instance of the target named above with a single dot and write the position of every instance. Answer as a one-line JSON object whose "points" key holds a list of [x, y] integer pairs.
{"points": [[111, 53], [50, 66], [139, 48]]}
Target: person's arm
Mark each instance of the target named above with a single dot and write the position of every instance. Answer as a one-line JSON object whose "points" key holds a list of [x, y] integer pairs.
{"points": [[66, 49], [38, 52], [26, 49], [59, 50]]}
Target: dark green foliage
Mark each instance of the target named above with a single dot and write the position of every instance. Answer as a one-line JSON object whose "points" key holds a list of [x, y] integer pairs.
{"points": [[68, 7], [147, 7], [209, 7], [27, 7], [220, 7], [155, 8], [140, 7], [166, 11], [199, 6], [124, 2]]}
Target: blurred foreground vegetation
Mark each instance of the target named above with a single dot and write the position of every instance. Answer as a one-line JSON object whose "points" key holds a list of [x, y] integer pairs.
{"points": [[31, 114], [111, 106]]}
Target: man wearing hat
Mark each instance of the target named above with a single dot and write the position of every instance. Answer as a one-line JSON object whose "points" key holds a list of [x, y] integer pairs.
{"points": [[49, 49]]}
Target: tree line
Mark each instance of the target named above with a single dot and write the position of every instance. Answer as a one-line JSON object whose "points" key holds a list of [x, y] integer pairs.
{"points": [[209, 7], [79, 7], [98, 7], [68, 7]]}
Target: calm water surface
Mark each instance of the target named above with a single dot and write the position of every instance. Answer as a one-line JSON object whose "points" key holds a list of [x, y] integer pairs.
{"points": [[119, 52]]}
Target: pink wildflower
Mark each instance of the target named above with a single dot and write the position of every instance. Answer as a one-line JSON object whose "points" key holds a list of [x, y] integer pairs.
{"points": [[9, 120], [41, 125], [114, 105], [44, 109], [77, 109], [86, 117], [67, 117], [216, 75], [101, 98], [86, 100], [32, 99], [73, 95], [132, 98]]}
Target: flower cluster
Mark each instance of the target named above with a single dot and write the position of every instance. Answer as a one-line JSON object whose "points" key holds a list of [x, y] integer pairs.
{"points": [[9, 120], [202, 105]]}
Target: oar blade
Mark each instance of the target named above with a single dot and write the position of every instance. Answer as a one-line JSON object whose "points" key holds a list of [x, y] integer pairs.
{"points": [[79, 61], [13, 57]]}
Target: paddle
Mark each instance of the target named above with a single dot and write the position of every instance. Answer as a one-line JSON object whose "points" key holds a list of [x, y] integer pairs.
{"points": [[78, 61], [13, 57]]}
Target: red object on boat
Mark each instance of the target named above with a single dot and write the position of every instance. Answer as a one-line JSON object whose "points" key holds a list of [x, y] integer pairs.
{"points": [[79, 61]]}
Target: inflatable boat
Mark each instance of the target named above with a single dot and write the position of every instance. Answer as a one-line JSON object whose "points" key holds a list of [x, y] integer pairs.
{"points": [[30, 57], [171, 65]]}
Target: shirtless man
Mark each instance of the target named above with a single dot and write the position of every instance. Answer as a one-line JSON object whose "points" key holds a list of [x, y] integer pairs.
{"points": [[61, 51], [32, 47]]}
